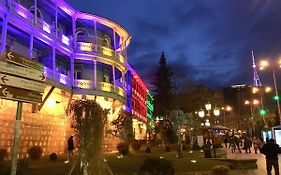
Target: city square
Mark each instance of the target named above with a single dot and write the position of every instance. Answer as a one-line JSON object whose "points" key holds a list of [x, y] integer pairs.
{"points": [[134, 88]]}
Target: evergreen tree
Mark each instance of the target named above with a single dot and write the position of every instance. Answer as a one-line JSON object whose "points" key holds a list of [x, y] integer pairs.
{"points": [[163, 88]]}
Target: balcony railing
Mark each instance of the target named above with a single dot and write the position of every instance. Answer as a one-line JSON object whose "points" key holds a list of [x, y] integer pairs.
{"points": [[61, 78], [40, 24], [101, 86], [86, 44]]}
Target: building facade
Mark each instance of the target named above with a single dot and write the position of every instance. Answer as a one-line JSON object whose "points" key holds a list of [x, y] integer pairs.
{"points": [[139, 92], [84, 56]]}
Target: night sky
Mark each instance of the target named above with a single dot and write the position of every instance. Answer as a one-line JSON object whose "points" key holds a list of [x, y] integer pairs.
{"points": [[209, 41]]}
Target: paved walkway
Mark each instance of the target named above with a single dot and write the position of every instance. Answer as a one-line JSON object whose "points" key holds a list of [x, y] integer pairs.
{"points": [[260, 161]]}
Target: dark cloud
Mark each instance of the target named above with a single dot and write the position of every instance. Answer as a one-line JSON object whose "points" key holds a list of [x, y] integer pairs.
{"points": [[206, 41]]}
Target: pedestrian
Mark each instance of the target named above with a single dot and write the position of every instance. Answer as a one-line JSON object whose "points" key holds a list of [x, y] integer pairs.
{"points": [[256, 144], [271, 151], [70, 148], [237, 143], [247, 144], [225, 140]]}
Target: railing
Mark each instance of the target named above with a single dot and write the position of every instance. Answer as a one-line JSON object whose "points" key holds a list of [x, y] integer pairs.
{"points": [[101, 86], [42, 25], [87, 44], [63, 79]]}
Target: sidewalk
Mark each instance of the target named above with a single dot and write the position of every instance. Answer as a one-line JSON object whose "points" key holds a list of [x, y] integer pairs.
{"points": [[260, 160]]}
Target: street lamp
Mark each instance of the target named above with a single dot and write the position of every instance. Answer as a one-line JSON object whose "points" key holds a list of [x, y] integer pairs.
{"points": [[208, 106], [225, 109], [264, 64], [201, 114], [252, 104]]}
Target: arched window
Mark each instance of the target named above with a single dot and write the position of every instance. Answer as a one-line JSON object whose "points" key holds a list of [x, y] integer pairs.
{"points": [[107, 41], [82, 32], [39, 13]]}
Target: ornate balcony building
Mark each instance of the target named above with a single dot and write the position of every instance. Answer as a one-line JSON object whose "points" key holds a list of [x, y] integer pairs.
{"points": [[83, 55]]}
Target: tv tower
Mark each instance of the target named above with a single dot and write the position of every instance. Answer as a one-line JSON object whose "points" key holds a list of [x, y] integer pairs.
{"points": [[257, 81]]}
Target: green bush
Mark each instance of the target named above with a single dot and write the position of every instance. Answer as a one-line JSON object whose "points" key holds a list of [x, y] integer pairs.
{"points": [[3, 154], [35, 152], [136, 145], [157, 166], [123, 148], [220, 170], [53, 157]]}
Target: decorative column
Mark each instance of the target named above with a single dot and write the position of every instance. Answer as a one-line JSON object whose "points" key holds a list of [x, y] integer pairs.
{"points": [[72, 70], [114, 39], [56, 21], [35, 12], [123, 81], [113, 76], [54, 62], [74, 33], [30, 46], [4, 34], [95, 74], [95, 37]]}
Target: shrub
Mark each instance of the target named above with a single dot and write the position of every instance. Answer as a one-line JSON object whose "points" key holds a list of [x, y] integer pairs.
{"points": [[156, 166], [53, 156], [136, 145], [3, 154], [220, 170], [23, 166], [123, 148], [35, 152]]}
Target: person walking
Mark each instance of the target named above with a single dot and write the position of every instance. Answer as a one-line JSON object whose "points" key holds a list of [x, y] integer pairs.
{"points": [[237, 143], [271, 151], [70, 148], [225, 140], [247, 145], [256, 144]]}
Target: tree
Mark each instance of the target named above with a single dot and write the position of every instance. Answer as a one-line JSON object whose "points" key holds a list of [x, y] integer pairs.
{"points": [[163, 88], [88, 121], [185, 121], [123, 127]]}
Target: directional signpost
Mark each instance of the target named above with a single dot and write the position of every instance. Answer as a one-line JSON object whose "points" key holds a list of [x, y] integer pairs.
{"points": [[22, 80], [12, 69], [8, 92]]}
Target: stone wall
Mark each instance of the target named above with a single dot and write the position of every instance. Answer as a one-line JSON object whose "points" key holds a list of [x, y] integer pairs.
{"points": [[49, 128]]}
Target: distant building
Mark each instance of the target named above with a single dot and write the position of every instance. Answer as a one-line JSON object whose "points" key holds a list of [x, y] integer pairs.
{"points": [[246, 105]]}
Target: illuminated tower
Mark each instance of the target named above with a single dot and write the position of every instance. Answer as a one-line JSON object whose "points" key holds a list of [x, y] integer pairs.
{"points": [[257, 81]]}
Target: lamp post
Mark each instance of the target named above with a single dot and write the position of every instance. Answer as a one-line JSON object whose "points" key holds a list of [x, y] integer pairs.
{"points": [[216, 113], [225, 109], [252, 104], [261, 92], [264, 64]]}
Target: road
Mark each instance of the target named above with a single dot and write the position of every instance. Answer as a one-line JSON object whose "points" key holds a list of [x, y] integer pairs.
{"points": [[260, 160]]}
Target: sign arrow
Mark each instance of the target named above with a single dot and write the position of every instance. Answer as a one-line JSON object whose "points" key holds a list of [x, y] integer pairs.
{"points": [[4, 79], [42, 76], [5, 93], [10, 56]]}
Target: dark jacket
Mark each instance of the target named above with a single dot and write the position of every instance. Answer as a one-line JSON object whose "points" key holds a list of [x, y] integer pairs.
{"points": [[271, 150], [70, 144]]}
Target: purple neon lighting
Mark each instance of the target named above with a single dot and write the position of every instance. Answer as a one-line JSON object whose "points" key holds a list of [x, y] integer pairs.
{"points": [[63, 79], [20, 10], [65, 40], [46, 28]]}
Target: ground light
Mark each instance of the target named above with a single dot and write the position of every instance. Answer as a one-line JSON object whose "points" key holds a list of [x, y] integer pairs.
{"points": [[193, 161]]}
